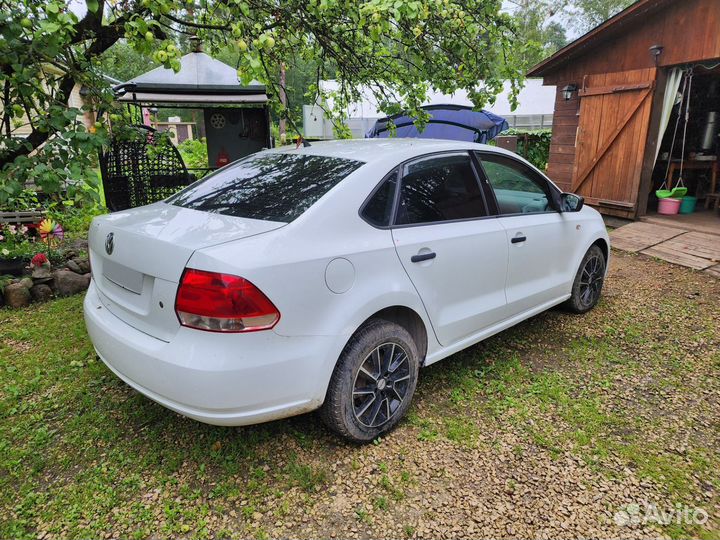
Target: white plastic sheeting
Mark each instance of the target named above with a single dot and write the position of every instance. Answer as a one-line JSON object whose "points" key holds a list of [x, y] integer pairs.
{"points": [[671, 98], [536, 104]]}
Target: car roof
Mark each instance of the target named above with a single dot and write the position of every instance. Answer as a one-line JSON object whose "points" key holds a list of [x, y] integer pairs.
{"points": [[369, 150]]}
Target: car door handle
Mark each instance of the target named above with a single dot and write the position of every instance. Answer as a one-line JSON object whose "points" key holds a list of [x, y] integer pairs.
{"points": [[518, 239], [420, 257]]}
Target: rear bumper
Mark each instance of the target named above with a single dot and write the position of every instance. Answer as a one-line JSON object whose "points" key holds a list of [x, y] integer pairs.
{"points": [[221, 379]]}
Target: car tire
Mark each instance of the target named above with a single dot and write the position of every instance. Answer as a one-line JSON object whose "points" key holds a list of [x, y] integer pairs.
{"points": [[588, 283], [373, 382]]}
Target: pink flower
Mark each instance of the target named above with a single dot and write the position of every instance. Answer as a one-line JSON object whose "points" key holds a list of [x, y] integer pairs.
{"points": [[23, 229]]}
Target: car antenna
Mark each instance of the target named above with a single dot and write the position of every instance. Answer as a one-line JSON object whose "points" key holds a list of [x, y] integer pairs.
{"points": [[301, 140]]}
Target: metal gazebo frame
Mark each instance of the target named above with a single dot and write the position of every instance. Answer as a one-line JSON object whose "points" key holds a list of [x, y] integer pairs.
{"points": [[143, 168]]}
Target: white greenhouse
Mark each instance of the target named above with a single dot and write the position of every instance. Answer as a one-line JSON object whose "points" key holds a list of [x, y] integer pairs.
{"points": [[534, 111]]}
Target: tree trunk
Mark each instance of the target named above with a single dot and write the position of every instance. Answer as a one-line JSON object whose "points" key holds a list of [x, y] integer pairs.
{"points": [[283, 101]]}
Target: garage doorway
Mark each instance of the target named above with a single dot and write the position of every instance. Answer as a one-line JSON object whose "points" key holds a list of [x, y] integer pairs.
{"points": [[689, 149]]}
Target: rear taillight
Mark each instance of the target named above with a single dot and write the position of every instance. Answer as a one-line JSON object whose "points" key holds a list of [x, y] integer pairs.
{"points": [[223, 303]]}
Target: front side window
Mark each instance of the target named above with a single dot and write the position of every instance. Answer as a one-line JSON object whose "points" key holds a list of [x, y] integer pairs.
{"points": [[439, 188], [517, 188], [267, 186]]}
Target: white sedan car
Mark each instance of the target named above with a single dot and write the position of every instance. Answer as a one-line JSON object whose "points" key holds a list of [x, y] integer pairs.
{"points": [[326, 276]]}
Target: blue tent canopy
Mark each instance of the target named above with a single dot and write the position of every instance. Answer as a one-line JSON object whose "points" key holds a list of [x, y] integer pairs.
{"points": [[454, 122]]}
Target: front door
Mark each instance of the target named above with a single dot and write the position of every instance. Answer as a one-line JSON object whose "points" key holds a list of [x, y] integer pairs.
{"points": [[455, 254], [541, 241]]}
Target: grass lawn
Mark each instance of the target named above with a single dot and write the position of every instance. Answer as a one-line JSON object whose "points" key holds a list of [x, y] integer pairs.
{"points": [[550, 428]]}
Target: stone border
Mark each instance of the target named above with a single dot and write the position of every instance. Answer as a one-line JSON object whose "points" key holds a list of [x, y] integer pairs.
{"points": [[45, 284]]}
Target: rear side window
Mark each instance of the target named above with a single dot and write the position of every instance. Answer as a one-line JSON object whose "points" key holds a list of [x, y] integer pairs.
{"points": [[517, 188], [439, 188], [378, 210], [267, 186]]}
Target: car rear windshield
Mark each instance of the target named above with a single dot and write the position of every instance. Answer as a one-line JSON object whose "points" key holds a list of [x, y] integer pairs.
{"points": [[268, 186]]}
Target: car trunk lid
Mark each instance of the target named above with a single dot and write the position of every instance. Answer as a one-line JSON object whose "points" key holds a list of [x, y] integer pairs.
{"points": [[139, 255]]}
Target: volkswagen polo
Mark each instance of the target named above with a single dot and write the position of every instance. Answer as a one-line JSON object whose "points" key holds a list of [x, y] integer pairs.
{"points": [[327, 276]]}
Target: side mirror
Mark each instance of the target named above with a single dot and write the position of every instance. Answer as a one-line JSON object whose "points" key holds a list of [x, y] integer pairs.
{"points": [[569, 202]]}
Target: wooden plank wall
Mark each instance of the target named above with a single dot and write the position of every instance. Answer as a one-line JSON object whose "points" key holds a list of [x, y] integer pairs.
{"points": [[562, 144], [688, 31]]}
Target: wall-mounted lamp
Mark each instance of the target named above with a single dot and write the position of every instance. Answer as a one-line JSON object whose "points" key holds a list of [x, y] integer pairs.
{"points": [[655, 52], [568, 91]]}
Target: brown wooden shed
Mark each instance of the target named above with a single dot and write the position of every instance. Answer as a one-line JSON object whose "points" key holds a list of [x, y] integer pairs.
{"points": [[606, 137]]}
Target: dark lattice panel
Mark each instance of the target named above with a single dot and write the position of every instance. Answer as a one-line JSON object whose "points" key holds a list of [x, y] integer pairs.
{"points": [[141, 167]]}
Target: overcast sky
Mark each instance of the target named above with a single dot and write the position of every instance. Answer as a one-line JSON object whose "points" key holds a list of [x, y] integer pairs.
{"points": [[571, 33]]}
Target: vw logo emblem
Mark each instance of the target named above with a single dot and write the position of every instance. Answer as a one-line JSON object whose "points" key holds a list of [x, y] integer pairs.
{"points": [[109, 243]]}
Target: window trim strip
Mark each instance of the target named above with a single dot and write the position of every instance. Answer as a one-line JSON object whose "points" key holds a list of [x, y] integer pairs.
{"points": [[466, 153]]}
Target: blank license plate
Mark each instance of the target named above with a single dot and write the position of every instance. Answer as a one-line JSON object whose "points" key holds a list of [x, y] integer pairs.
{"points": [[125, 277]]}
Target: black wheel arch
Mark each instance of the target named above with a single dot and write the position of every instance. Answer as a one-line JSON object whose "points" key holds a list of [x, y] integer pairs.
{"points": [[410, 320], [603, 245]]}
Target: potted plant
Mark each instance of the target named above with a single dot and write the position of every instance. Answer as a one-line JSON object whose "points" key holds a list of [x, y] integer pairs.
{"points": [[14, 249], [17, 246], [10, 264]]}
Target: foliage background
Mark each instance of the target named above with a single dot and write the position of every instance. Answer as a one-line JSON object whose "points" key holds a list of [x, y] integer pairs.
{"points": [[533, 145], [399, 49]]}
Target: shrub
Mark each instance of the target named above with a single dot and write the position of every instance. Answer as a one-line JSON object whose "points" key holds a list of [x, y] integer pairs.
{"points": [[533, 145], [194, 153], [25, 200], [76, 219]]}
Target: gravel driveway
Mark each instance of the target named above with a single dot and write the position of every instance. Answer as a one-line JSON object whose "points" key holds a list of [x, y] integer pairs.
{"points": [[563, 427]]}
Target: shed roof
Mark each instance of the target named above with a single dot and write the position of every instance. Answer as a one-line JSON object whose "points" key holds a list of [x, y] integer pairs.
{"points": [[201, 78], [633, 14]]}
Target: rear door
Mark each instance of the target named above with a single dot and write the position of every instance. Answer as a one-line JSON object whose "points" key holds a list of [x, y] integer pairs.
{"points": [[452, 250], [540, 239]]}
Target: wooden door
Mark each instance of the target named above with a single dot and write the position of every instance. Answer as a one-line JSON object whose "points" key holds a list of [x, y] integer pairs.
{"points": [[612, 132]]}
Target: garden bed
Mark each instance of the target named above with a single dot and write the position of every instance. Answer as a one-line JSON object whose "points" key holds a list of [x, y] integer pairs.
{"points": [[40, 261], [38, 281]]}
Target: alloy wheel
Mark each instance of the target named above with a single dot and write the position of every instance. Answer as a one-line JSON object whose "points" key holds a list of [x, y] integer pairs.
{"points": [[381, 384], [591, 280]]}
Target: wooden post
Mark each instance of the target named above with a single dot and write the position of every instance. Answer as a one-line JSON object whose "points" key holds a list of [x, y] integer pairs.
{"points": [[648, 164]]}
